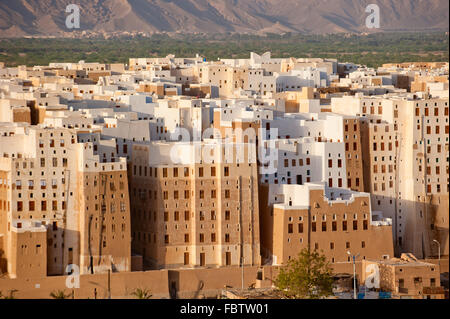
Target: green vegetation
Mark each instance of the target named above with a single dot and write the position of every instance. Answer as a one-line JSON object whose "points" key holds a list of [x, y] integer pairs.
{"points": [[60, 294], [307, 276], [10, 294], [372, 50], [139, 293]]}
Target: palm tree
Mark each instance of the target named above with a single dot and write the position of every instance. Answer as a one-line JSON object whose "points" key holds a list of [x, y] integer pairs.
{"points": [[142, 293], [59, 294]]}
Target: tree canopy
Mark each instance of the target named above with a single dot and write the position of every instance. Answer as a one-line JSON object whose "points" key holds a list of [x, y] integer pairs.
{"points": [[309, 276], [371, 50]]}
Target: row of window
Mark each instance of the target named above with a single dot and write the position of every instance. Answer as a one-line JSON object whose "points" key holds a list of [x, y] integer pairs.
{"points": [[43, 205], [355, 127], [202, 215], [43, 183], [334, 226], [382, 146], [349, 182], [294, 162], [386, 130], [372, 110], [25, 251], [42, 164], [176, 171], [112, 207], [437, 188], [227, 238], [391, 168], [299, 180], [437, 129], [383, 186], [112, 185], [347, 146], [227, 194], [32, 206], [438, 148], [52, 143], [330, 182], [437, 170], [332, 245], [324, 216], [202, 238], [435, 111], [176, 215]]}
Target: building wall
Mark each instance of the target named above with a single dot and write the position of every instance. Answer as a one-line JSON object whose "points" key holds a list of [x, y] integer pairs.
{"points": [[423, 168], [222, 76], [180, 283], [47, 181], [28, 255], [105, 230], [21, 115], [353, 154], [419, 130], [312, 227], [241, 131], [380, 155], [189, 283], [157, 88], [180, 215], [308, 160], [437, 218], [42, 188], [122, 285], [5, 203], [266, 222], [3, 260], [407, 279]]}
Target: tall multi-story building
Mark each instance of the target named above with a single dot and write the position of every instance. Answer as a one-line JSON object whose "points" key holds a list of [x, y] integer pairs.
{"points": [[52, 180], [423, 172], [380, 147], [353, 154], [405, 141], [198, 211], [104, 218]]}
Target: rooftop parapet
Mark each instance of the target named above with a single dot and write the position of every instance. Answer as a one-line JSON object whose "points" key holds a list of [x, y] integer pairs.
{"points": [[20, 226]]}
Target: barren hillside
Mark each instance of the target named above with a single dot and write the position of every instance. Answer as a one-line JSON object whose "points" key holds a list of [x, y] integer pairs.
{"points": [[47, 17]]}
